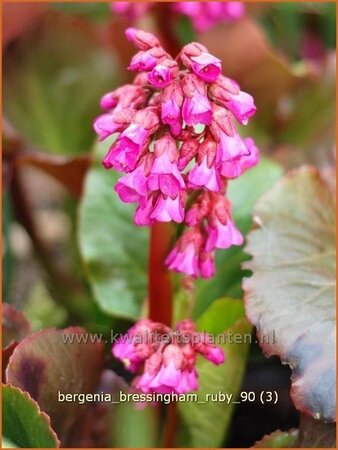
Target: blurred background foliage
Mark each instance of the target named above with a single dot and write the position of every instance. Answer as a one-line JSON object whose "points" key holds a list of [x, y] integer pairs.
{"points": [[69, 248]]}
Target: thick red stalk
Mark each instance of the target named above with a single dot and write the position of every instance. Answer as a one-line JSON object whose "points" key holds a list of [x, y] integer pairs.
{"points": [[166, 20], [160, 289]]}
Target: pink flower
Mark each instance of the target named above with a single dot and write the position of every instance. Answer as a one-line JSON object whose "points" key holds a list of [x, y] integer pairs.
{"points": [[143, 60], [184, 257], [204, 15], [125, 153], [242, 106], [160, 76], [125, 97], [207, 264], [105, 126], [188, 381], [222, 89], [141, 39], [175, 170], [210, 351], [108, 124], [121, 157], [184, 260], [132, 347], [188, 151], [133, 186], [230, 147], [223, 235], [204, 173], [196, 106], [167, 209], [165, 365], [172, 100], [144, 210], [236, 166], [131, 10], [206, 66], [165, 175], [222, 232]]}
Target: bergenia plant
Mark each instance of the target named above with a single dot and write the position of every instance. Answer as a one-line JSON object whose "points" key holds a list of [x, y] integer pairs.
{"points": [[177, 144]]}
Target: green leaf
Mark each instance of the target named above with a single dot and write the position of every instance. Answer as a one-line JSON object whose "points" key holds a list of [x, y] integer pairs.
{"points": [[135, 427], [22, 421], [314, 106], [53, 78], [279, 439], [96, 12], [113, 248], [220, 315], [292, 291], [53, 361], [208, 423], [243, 193], [41, 310]]}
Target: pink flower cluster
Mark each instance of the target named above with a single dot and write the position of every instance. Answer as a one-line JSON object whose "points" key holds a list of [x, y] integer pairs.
{"points": [[178, 146], [203, 15], [163, 359]]}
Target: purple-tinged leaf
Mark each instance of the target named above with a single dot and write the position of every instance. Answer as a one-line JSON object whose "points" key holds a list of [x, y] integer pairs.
{"points": [[45, 364], [291, 294]]}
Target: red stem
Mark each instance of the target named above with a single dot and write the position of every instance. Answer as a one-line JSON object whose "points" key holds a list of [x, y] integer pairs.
{"points": [[160, 289], [166, 21], [171, 426]]}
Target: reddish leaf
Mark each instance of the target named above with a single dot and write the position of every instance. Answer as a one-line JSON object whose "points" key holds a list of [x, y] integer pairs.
{"points": [[70, 171], [18, 17], [316, 434], [44, 364], [15, 326]]}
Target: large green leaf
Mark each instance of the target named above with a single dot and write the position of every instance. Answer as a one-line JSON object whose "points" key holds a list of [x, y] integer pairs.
{"points": [[243, 193], [22, 421], [135, 427], [53, 361], [53, 77], [207, 421], [292, 291], [113, 248], [220, 315]]}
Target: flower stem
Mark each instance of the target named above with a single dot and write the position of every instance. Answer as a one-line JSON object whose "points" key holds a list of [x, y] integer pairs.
{"points": [[165, 22], [170, 426], [160, 289]]}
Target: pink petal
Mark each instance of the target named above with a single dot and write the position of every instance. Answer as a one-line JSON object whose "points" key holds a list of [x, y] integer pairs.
{"points": [[242, 106], [202, 175]]}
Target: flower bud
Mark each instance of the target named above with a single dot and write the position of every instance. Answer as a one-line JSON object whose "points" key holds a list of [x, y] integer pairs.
{"points": [[141, 39]]}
